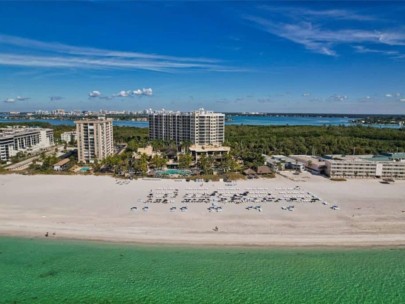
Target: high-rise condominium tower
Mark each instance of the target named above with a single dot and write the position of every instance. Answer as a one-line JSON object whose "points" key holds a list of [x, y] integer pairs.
{"points": [[94, 139], [199, 127]]}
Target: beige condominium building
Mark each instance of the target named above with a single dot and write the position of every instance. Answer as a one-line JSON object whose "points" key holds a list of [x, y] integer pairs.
{"points": [[199, 127], [94, 139], [68, 136], [387, 165]]}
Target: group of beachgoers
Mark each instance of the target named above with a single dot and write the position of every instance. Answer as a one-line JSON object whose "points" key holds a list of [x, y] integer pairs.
{"points": [[255, 197]]}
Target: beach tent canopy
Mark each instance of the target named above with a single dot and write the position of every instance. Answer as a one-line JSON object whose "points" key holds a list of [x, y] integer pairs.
{"points": [[249, 172], [263, 170]]}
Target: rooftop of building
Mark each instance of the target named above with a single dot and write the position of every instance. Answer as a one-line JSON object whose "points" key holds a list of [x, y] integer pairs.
{"points": [[148, 150], [315, 161], [209, 148], [383, 157], [280, 158], [100, 119], [200, 111], [13, 131], [62, 162]]}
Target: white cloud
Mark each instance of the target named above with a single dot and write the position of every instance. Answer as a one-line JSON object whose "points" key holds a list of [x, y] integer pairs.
{"points": [[14, 100], [22, 98], [122, 94], [337, 97], [94, 94], [388, 95], [10, 100], [146, 92], [321, 40], [66, 56], [364, 50], [338, 14], [88, 51], [402, 99], [137, 92], [95, 63]]}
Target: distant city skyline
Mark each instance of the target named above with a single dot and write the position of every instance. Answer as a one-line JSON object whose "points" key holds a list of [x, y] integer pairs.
{"points": [[288, 57]]}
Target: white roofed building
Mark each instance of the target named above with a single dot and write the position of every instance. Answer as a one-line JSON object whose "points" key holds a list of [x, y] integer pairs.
{"points": [[22, 139]]}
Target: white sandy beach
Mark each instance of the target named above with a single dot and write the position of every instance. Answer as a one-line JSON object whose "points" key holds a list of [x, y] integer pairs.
{"points": [[97, 208]]}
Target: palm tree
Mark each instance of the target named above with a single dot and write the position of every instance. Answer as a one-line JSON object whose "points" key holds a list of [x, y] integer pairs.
{"points": [[211, 162], [157, 145], [96, 165], [112, 163], [141, 165], [185, 161], [205, 163], [228, 163], [185, 145], [158, 161]]}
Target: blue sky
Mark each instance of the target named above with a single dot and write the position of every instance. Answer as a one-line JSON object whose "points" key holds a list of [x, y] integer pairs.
{"points": [[317, 56]]}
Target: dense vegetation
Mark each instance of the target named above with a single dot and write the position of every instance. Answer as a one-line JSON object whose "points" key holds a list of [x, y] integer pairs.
{"points": [[131, 135], [313, 139], [275, 139], [247, 143]]}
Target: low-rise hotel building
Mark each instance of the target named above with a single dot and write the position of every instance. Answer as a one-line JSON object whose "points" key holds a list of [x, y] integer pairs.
{"points": [[61, 165], [27, 140], [313, 164], [94, 139], [388, 165], [282, 162], [213, 150]]}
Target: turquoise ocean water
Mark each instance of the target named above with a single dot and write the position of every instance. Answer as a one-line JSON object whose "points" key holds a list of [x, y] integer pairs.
{"points": [[55, 271]]}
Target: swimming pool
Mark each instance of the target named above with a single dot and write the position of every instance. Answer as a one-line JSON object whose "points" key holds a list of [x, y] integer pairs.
{"points": [[84, 169], [172, 172]]}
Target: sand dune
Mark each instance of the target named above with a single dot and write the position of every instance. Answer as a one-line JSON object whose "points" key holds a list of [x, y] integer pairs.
{"points": [[96, 208]]}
